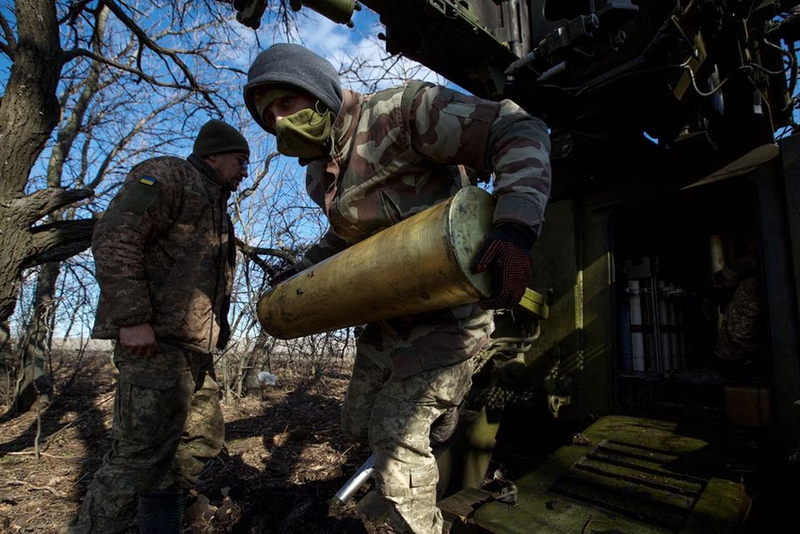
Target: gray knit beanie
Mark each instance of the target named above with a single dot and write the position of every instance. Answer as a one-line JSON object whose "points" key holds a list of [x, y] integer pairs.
{"points": [[295, 65], [218, 137]]}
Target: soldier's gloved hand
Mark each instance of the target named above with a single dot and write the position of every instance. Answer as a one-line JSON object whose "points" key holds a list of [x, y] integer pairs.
{"points": [[444, 425], [505, 250]]}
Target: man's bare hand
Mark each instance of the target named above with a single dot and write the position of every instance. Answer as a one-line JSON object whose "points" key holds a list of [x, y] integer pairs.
{"points": [[139, 339]]}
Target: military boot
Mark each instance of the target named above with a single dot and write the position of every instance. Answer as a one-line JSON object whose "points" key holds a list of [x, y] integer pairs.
{"points": [[161, 512]]}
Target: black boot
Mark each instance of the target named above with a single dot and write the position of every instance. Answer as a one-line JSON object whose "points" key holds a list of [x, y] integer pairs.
{"points": [[161, 512]]}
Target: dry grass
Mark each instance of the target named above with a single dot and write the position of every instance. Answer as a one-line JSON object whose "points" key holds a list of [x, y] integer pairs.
{"points": [[284, 456]]}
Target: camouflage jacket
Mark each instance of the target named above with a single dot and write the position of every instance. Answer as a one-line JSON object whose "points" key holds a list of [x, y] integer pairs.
{"points": [[164, 254], [401, 150]]}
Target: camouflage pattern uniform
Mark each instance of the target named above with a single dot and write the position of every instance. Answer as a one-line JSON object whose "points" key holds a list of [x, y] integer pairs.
{"points": [[164, 255], [740, 333], [396, 153]]}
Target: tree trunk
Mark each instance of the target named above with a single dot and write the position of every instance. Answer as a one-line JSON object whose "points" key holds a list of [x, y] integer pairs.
{"points": [[8, 367], [35, 382], [28, 115]]}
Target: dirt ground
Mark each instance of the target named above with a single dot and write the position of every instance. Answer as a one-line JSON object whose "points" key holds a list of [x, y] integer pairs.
{"points": [[284, 458]]}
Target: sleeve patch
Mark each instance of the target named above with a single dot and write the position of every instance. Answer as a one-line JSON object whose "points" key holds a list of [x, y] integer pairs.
{"points": [[137, 200], [148, 180]]}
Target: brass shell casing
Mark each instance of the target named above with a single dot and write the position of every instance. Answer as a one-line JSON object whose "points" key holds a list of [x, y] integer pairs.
{"points": [[418, 265]]}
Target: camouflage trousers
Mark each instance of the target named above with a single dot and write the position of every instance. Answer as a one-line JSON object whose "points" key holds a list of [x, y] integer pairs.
{"points": [[395, 415], [167, 424]]}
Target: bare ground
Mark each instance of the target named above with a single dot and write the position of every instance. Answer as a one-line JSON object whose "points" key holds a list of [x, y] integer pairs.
{"points": [[284, 457], [283, 460]]}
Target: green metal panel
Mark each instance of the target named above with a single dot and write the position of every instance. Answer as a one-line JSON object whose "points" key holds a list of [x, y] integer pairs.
{"points": [[783, 299], [598, 331], [624, 475], [572, 263], [555, 274]]}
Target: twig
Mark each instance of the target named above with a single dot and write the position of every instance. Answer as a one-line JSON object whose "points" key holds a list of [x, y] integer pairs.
{"points": [[31, 486], [29, 453]]}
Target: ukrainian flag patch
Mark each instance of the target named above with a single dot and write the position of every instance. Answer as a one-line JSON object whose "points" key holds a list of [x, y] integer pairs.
{"points": [[148, 180]]}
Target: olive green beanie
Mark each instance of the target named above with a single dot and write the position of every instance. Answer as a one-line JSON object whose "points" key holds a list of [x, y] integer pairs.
{"points": [[218, 137]]}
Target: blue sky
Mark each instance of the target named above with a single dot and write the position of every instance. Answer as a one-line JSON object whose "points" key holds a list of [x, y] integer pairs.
{"points": [[336, 42]]}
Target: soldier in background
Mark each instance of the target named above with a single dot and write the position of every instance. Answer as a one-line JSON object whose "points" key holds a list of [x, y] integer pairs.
{"points": [[372, 161], [740, 338], [164, 255]]}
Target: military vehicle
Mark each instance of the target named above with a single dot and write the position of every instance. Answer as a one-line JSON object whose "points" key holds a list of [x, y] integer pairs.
{"points": [[662, 391]]}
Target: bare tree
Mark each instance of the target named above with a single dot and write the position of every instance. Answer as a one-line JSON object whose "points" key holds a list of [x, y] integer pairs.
{"points": [[279, 218], [60, 57], [86, 82], [95, 87], [84, 115]]}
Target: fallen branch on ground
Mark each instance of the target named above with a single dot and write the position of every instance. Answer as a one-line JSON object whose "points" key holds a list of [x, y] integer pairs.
{"points": [[32, 487]]}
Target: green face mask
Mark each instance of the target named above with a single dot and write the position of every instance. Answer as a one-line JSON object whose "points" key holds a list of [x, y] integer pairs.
{"points": [[304, 134]]}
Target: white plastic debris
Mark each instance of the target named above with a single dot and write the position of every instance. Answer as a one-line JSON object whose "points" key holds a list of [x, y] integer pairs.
{"points": [[266, 378]]}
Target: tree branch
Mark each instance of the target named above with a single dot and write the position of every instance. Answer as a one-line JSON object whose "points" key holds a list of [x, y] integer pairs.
{"points": [[254, 252], [122, 142], [158, 49], [59, 240], [71, 128], [262, 174], [10, 46], [69, 55], [31, 208]]}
